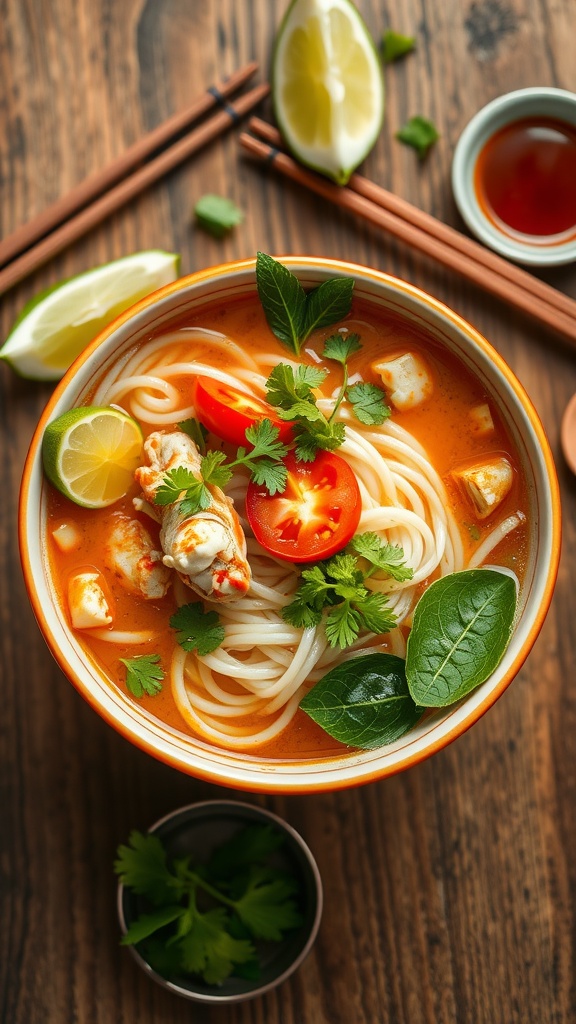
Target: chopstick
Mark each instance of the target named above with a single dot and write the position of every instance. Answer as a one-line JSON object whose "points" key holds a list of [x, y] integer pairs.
{"points": [[102, 180], [125, 190], [424, 233]]}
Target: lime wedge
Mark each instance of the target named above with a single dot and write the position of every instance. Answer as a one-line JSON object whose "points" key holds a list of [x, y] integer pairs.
{"points": [[90, 454], [327, 86], [56, 325]]}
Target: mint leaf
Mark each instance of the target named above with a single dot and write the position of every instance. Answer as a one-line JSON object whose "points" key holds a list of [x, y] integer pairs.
{"points": [[462, 626], [283, 300], [364, 702], [395, 45], [196, 629], [418, 133], [341, 346], [327, 304], [217, 215], [144, 675], [369, 403]]}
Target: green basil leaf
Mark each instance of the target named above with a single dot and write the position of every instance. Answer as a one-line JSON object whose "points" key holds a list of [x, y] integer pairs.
{"points": [[328, 304], [461, 629], [283, 300], [364, 702]]}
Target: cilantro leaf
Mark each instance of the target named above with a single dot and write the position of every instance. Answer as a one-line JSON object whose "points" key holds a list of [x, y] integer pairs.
{"points": [[389, 558], [369, 403], [196, 629], [287, 386], [174, 483], [395, 45], [271, 475], [266, 907], [251, 844], [341, 346], [324, 435], [217, 215], [374, 613], [419, 133], [301, 614], [342, 625], [142, 867], [263, 436], [144, 674], [147, 924], [283, 300], [196, 431], [208, 948], [213, 472]]}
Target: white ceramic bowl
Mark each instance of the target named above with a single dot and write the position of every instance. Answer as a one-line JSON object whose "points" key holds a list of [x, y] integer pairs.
{"points": [[432, 733], [514, 106]]}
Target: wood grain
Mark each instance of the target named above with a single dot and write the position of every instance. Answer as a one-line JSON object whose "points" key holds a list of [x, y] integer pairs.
{"points": [[449, 890]]}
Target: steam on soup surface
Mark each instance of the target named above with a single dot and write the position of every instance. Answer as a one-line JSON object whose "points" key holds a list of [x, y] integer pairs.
{"points": [[439, 478]]}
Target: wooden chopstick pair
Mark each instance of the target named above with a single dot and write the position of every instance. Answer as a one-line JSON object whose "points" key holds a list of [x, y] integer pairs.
{"points": [[424, 233], [106, 191]]}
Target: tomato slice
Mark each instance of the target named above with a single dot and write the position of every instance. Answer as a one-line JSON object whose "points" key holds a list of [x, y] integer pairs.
{"points": [[228, 412], [315, 516]]}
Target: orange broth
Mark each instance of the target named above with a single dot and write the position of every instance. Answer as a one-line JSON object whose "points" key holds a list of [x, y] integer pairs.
{"points": [[441, 424]]}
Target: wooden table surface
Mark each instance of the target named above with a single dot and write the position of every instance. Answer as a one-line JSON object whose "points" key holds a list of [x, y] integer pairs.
{"points": [[450, 890]]}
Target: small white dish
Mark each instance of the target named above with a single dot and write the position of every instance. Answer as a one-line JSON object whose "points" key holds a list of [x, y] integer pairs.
{"points": [[557, 104]]}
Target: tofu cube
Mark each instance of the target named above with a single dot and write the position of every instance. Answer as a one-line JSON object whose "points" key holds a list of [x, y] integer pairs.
{"points": [[87, 602], [66, 537], [481, 421], [406, 379], [486, 484]]}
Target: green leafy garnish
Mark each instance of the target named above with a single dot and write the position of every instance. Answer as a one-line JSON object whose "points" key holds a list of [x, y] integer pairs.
{"points": [[340, 347], [180, 484], [217, 215], [389, 558], [291, 313], [461, 628], [207, 917], [369, 403], [395, 45], [144, 675], [196, 629], [364, 702], [334, 592], [196, 431], [419, 133], [290, 391]]}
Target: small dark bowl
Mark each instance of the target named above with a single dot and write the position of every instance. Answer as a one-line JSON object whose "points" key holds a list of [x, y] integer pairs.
{"points": [[198, 828]]}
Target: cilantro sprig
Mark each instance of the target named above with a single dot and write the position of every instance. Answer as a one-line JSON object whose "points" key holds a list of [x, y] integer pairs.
{"points": [[207, 918], [335, 591], [144, 675], [197, 629], [263, 460]]}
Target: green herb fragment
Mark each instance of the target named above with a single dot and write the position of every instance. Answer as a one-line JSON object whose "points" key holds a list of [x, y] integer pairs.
{"points": [[217, 215], [196, 431], [364, 702], [290, 391], [334, 591], [196, 629], [395, 46], [340, 347], [144, 675], [461, 628], [208, 916], [418, 133], [292, 314], [369, 403], [389, 558], [180, 484]]}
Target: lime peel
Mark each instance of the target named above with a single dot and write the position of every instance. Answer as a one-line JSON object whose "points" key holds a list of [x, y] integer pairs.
{"points": [[56, 325]]}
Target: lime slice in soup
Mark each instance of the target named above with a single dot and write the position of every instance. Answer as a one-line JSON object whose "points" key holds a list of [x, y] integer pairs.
{"points": [[90, 454], [57, 325], [327, 86]]}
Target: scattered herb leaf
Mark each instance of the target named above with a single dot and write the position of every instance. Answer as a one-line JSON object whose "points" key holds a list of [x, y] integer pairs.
{"points": [[395, 46], [389, 558], [217, 215], [461, 628], [196, 431], [290, 390], [369, 403], [340, 347], [419, 133], [364, 702], [196, 629], [144, 675], [143, 867]]}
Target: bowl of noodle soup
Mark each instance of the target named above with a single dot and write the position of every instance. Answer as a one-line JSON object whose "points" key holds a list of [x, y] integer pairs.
{"points": [[232, 716]]}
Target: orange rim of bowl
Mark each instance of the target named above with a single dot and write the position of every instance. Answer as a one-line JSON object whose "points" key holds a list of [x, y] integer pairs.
{"points": [[309, 783]]}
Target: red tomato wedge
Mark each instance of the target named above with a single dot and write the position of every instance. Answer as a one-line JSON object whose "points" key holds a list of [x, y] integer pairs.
{"points": [[228, 412], [315, 516]]}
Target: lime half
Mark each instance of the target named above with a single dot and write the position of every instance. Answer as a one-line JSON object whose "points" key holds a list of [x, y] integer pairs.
{"points": [[90, 454], [58, 324], [327, 86]]}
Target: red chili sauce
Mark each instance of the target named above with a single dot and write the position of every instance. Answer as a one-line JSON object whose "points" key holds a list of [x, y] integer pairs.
{"points": [[525, 179]]}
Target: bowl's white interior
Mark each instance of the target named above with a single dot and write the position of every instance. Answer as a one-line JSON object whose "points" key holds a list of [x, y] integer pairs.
{"points": [[242, 770]]}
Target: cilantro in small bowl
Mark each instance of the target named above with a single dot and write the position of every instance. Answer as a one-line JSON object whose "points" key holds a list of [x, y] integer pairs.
{"points": [[219, 901]]}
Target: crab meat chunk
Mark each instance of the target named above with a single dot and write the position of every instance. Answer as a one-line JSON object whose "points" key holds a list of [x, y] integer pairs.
{"points": [[406, 379], [207, 549], [486, 484], [131, 556], [87, 602]]}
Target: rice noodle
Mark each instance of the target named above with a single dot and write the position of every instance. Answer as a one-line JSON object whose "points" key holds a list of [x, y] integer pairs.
{"points": [[247, 691]]}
